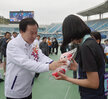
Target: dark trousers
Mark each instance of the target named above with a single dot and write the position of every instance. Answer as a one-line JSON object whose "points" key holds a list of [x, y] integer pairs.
{"points": [[93, 97], [49, 50], [1, 56], [29, 97], [56, 50]]}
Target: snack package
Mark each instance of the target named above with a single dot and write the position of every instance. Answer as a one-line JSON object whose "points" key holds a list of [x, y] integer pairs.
{"points": [[67, 56]]}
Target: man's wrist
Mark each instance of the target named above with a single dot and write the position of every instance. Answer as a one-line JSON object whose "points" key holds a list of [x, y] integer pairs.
{"points": [[51, 62]]}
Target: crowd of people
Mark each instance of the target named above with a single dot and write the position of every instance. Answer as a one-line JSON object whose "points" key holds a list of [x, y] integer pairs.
{"points": [[3, 45], [26, 55], [47, 45]]}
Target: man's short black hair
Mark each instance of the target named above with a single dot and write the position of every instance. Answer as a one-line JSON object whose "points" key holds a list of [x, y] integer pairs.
{"points": [[105, 40], [73, 28], [27, 21], [44, 38], [7, 33], [96, 35], [38, 35], [15, 33]]}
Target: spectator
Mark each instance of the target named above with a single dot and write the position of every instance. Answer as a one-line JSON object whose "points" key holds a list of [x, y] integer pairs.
{"points": [[14, 35], [44, 46], [1, 54], [55, 46], [97, 36], [37, 41], [4, 47], [106, 42], [49, 44]]}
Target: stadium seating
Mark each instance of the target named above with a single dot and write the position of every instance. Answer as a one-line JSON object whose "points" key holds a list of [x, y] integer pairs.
{"points": [[55, 30], [98, 24]]}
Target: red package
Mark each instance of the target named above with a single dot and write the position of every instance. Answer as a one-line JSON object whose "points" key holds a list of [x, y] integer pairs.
{"points": [[62, 70]]}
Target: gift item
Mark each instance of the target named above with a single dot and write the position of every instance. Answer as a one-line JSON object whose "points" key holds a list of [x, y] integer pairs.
{"points": [[67, 56]]}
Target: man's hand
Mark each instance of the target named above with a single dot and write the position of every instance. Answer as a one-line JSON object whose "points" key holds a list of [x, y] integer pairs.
{"points": [[54, 65]]}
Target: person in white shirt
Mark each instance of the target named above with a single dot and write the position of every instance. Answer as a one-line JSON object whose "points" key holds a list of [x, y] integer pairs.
{"points": [[37, 41], [24, 60], [14, 35]]}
